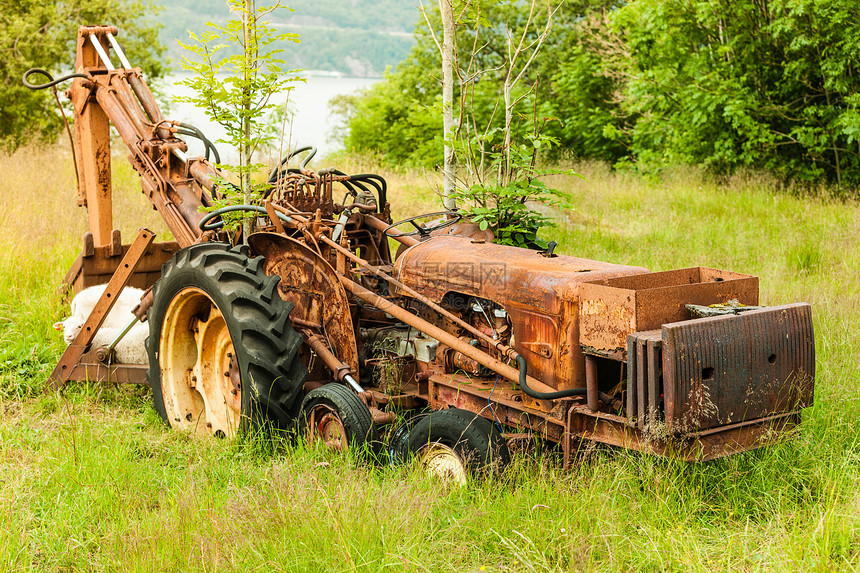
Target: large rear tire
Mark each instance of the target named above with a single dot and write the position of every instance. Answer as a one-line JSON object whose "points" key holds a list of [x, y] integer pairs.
{"points": [[223, 356]]}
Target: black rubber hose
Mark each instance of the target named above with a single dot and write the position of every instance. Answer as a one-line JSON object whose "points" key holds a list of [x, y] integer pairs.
{"points": [[351, 179], [382, 188], [524, 384], [51, 81], [368, 181], [360, 185], [307, 159], [206, 142], [349, 186], [207, 149], [273, 176], [383, 191], [231, 208]]}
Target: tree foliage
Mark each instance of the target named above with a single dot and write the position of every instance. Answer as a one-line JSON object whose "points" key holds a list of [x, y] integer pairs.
{"points": [[729, 84], [764, 84], [407, 103], [39, 34]]}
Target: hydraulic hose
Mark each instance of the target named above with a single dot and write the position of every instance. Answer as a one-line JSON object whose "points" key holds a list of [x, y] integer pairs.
{"points": [[358, 184], [188, 129], [361, 180], [273, 176], [307, 159], [524, 384], [51, 81], [218, 212], [382, 188]]}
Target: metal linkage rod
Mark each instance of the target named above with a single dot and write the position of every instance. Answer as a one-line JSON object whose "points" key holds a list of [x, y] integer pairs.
{"points": [[120, 54], [497, 344], [101, 52], [340, 370], [122, 334]]}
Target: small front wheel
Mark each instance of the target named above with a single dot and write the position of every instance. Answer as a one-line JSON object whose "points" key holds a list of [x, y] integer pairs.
{"points": [[336, 416], [453, 444]]}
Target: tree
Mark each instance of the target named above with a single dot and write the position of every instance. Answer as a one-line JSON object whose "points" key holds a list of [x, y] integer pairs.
{"points": [[240, 99], [501, 179], [448, 47], [769, 84], [579, 88], [498, 178], [38, 34], [765, 84], [402, 106]]}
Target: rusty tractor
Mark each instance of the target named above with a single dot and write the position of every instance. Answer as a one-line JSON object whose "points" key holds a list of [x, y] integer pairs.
{"points": [[461, 344]]}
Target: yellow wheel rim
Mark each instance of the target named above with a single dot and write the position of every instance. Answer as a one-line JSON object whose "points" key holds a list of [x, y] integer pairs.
{"points": [[200, 376], [443, 462]]}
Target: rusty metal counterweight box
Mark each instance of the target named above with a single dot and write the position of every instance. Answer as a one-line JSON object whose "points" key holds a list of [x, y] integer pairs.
{"points": [[611, 309]]}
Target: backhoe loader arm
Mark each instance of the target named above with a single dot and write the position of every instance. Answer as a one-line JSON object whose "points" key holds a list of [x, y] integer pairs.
{"points": [[176, 185]]}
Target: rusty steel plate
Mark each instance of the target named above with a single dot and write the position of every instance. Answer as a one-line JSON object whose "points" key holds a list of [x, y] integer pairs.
{"points": [[728, 369], [613, 308], [540, 295], [312, 285]]}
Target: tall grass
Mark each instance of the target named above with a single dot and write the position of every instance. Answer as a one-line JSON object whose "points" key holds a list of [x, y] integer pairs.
{"points": [[91, 480]]}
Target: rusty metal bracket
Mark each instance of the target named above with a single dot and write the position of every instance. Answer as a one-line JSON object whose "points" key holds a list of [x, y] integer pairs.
{"points": [[72, 356]]}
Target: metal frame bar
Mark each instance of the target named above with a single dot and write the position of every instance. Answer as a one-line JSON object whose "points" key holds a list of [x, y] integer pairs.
{"points": [[67, 367]]}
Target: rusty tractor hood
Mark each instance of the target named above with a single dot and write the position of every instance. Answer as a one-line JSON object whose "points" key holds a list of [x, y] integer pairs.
{"points": [[500, 273], [540, 294]]}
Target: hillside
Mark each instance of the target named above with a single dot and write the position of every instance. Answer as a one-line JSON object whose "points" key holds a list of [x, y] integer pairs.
{"points": [[353, 37]]}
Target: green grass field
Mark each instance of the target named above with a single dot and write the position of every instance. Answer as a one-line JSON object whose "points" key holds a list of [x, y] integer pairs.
{"points": [[92, 481]]}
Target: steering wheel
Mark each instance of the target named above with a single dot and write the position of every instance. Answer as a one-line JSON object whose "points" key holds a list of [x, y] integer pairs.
{"points": [[421, 229]]}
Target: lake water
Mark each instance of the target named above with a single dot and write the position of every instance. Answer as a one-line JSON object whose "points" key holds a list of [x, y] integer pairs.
{"points": [[312, 124]]}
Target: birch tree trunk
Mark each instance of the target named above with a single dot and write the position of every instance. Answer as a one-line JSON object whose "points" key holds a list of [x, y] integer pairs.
{"points": [[449, 168], [505, 177]]}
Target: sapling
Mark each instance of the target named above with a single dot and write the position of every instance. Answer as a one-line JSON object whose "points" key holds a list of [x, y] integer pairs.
{"points": [[237, 72]]}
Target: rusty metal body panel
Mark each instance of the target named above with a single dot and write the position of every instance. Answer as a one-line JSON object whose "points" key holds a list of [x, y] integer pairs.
{"points": [[312, 285], [541, 295], [611, 309]]}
